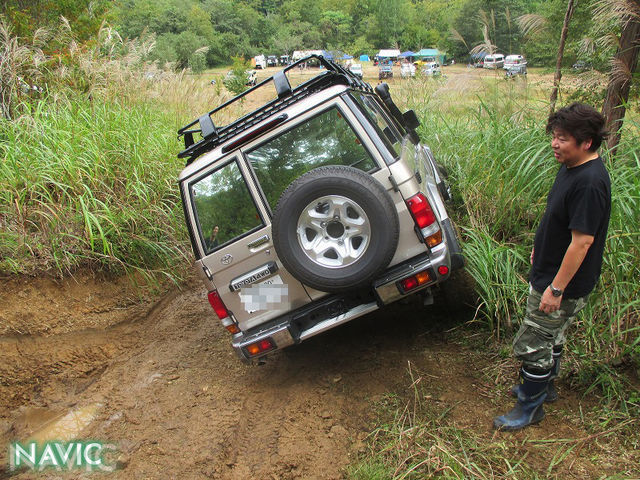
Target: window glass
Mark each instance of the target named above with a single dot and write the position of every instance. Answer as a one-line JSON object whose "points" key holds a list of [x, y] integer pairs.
{"points": [[224, 207], [387, 130], [326, 139]]}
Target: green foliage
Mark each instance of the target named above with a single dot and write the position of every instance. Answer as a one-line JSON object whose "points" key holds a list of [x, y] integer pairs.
{"points": [[87, 183], [501, 170], [198, 62], [236, 80]]}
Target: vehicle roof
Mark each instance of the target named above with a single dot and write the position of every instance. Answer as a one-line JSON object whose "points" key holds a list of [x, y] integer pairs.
{"points": [[211, 136], [292, 111]]}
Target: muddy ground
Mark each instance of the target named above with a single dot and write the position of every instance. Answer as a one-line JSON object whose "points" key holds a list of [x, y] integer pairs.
{"points": [[156, 377]]}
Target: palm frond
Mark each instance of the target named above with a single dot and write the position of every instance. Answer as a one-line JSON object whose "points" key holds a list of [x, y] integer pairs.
{"points": [[619, 11], [620, 73], [455, 35], [532, 24]]}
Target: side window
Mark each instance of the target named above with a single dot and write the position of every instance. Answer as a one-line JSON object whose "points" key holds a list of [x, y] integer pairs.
{"points": [[224, 207], [387, 129], [326, 139]]}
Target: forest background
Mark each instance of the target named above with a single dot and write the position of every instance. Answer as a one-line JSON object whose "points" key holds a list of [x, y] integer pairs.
{"points": [[207, 33]]}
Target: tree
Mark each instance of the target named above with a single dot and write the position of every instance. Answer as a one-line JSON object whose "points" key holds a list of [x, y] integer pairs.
{"points": [[563, 39], [624, 64]]}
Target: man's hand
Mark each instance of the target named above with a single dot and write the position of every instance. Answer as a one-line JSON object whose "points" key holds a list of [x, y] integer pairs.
{"points": [[531, 258], [549, 303]]}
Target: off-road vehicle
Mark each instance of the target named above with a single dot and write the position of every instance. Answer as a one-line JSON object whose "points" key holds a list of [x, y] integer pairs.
{"points": [[314, 209]]}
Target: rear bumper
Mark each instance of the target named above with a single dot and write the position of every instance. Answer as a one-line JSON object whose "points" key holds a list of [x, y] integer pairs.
{"points": [[337, 309]]}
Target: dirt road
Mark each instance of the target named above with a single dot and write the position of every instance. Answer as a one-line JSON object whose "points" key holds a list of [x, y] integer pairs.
{"points": [[159, 380]]}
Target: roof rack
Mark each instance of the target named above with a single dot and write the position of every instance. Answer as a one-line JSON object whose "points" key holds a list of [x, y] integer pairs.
{"points": [[212, 135]]}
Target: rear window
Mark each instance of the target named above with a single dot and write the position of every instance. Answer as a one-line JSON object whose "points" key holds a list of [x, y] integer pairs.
{"points": [[326, 139], [224, 208]]}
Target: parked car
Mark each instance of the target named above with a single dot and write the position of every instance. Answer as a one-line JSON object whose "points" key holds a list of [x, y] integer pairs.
{"points": [[318, 207], [494, 61], [272, 61], [407, 70], [582, 65], [432, 69], [514, 61], [356, 69], [261, 61], [514, 70], [385, 70]]}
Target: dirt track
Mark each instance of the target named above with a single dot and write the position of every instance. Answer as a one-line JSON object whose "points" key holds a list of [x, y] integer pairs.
{"points": [[169, 392]]}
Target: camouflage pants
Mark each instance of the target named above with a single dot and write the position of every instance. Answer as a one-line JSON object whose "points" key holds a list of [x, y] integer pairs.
{"points": [[540, 332]]}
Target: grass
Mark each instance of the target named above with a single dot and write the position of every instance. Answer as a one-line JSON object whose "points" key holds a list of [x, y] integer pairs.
{"points": [[90, 183], [417, 436], [492, 141]]}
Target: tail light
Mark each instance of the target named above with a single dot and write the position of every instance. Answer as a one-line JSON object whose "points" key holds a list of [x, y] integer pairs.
{"points": [[425, 219], [218, 305], [260, 346], [222, 312], [414, 281]]}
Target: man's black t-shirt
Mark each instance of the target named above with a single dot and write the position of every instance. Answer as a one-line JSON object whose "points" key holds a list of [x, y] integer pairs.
{"points": [[580, 199]]}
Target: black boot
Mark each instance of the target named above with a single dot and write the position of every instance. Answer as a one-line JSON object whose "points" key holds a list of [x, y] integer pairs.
{"points": [[552, 393], [528, 409]]}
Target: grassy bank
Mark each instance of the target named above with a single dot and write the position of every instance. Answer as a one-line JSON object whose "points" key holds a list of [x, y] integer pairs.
{"points": [[501, 169], [90, 183]]}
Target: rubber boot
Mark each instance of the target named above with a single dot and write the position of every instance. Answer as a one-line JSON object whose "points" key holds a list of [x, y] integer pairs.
{"points": [[552, 393], [528, 409]]}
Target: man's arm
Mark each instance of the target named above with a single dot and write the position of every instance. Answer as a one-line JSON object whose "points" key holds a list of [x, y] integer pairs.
{"points": [[573, 257]]}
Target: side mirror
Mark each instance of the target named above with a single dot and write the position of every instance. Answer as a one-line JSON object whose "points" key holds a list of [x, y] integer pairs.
{"points": [[411, 119]]}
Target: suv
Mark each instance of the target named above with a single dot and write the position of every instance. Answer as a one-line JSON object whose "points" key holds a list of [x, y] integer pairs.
{"points": [[385, 70], [315, 209]]}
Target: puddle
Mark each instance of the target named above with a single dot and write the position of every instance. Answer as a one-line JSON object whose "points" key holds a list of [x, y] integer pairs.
{"points": [[42, 425]]}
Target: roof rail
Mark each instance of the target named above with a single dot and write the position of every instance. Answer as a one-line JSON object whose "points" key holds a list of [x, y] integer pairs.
{"points": [[212, 135]]}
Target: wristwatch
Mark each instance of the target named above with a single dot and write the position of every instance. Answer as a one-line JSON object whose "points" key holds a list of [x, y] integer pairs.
{"points": [[556, 292]]}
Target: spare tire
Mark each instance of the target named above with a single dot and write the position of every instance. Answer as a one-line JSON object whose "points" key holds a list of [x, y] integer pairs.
{"points": [[335, 228]]}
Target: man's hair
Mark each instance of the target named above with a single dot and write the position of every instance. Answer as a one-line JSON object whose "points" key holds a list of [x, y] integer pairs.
{"points": [[581, 121]]}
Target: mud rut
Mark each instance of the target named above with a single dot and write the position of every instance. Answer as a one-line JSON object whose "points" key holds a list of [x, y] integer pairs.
{"points": [[173, 397]]}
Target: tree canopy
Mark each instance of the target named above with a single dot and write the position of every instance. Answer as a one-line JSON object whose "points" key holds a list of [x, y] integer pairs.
{"points": [[212, 32]]}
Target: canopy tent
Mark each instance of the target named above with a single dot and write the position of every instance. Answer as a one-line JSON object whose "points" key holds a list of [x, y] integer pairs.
{"points": [[406, 54], [389, 53], [298, 54], [431, 54], [346, 57], [364, 58]]}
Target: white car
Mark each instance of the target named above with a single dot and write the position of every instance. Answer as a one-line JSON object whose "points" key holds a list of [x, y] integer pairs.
{"points": [[431, 69], [514, 61], [356, 69], [407, 70]]}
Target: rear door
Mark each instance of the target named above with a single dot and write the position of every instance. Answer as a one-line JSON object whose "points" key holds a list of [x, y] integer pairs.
{"points": [[235, 240]]}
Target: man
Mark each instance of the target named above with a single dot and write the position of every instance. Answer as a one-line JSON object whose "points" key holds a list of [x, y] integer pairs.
{"points": [[566, 258]]}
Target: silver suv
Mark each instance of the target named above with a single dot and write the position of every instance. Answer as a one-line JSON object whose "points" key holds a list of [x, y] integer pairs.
{"points": [[316, 208]]}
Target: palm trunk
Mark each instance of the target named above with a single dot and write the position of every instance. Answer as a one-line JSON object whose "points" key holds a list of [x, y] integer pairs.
{"points": [[625, 62], [563, 40]]}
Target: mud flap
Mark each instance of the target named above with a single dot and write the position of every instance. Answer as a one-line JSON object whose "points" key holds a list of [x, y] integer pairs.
{"points": [[455, 251]]}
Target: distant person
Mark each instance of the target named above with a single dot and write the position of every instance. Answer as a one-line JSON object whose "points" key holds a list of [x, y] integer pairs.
{"points": [[213, 238], [566, 258]]}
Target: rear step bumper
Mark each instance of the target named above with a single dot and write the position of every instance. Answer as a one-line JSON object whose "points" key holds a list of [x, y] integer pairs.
{"points": [[281, 334]]}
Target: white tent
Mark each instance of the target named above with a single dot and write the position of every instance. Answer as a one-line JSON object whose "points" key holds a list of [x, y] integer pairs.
{"points": [[298, 54], [389, 53]]}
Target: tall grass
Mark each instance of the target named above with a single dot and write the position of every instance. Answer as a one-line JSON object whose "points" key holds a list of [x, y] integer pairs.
{"points": [[501, 166], [89, 169]]}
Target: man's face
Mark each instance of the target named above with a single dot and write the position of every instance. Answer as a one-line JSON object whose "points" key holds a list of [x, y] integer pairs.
{"points": [[567, 150]]}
